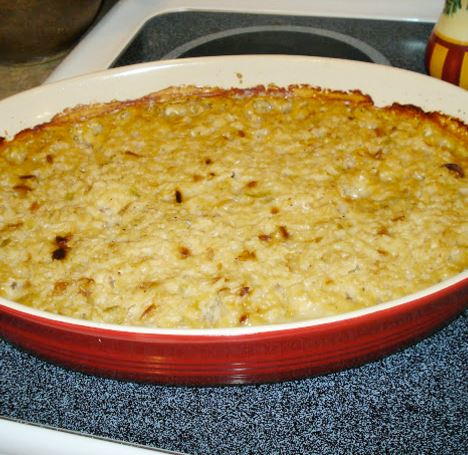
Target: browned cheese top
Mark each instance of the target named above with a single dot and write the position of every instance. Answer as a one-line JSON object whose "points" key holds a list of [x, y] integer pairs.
{"points": [[209, 208]]}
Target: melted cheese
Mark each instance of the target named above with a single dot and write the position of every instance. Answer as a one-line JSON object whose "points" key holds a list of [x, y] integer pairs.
{"points": [[224, 208]]}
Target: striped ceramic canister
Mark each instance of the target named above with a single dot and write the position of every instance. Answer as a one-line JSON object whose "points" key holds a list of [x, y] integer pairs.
{"points": [[447, 49]]}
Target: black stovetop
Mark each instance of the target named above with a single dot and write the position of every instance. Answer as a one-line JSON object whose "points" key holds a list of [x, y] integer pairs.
{"points": [[402, 43]]}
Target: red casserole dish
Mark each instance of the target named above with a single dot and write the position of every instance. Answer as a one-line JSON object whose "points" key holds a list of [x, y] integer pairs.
{"points": [[236, 355]]}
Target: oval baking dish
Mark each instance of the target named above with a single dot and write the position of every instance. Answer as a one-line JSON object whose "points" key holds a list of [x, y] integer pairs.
{"points": [[243, 354]]}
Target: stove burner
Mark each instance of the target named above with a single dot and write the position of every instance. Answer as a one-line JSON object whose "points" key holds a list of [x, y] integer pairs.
{"points": [[280, 39]]}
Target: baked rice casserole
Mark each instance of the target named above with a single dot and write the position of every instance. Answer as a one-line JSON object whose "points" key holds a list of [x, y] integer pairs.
{"points": [[203, 207]]}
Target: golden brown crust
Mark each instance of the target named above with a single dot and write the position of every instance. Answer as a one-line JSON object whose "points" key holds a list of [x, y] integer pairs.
{"points": [[205, 207], [448, 123], [181, 93]]}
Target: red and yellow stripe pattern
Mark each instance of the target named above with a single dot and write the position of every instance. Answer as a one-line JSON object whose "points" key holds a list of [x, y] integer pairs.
{"points": [[447, 59]]}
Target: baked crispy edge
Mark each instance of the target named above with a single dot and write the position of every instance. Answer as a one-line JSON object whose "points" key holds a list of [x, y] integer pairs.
{"points": [[180, 94]]}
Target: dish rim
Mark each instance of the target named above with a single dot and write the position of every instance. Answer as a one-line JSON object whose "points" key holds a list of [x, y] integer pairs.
{"points": [[135, 70]]}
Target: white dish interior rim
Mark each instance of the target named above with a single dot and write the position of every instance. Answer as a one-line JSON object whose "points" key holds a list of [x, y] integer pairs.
{"points": [[229, 64]]}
